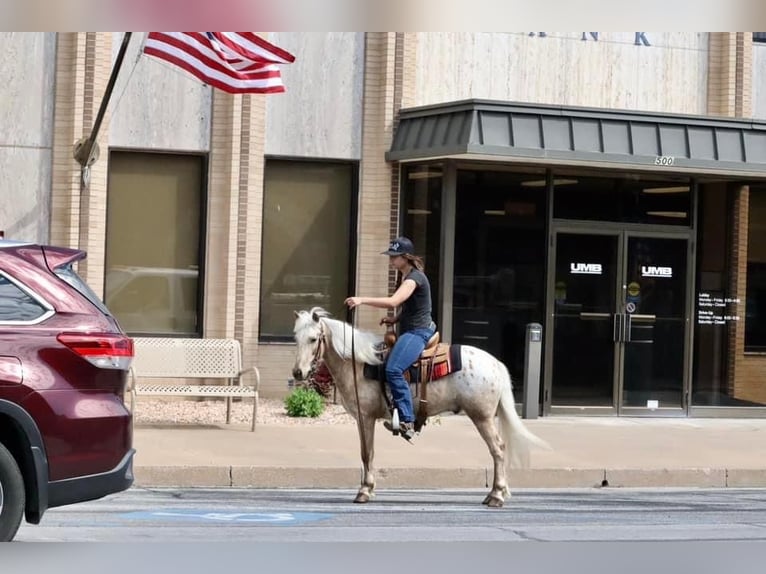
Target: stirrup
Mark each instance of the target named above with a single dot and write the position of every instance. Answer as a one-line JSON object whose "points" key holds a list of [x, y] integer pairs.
{"points": [[405, 430]]}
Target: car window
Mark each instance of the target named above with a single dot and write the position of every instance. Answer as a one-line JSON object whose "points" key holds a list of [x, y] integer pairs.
{"points": [[17, 305], [69, 275]]}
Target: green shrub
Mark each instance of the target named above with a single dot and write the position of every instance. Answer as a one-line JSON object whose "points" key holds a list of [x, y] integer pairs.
{"points": [[303, 402]]}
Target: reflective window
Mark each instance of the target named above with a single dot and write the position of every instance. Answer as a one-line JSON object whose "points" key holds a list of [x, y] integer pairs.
{"points": [[307, 241], [154, 225], [624, 198], [422, 186], [755, 320], [499, 262], [17, 305]]}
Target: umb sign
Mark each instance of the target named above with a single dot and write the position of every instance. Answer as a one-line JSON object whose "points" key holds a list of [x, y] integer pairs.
{"points": [[654, 271], [585, 268]]}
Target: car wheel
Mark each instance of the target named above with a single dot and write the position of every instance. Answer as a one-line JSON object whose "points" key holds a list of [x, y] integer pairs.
{"points": [[11, 495]]}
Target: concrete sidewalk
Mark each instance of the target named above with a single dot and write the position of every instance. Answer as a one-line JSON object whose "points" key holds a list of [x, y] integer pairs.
{"points": [[587, 451]]}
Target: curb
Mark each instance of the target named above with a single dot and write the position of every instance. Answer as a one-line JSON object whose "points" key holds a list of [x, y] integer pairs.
{"points": [[313, 477]]}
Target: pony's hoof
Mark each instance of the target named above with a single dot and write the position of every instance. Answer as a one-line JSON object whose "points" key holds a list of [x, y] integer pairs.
{"points": [[362, 498], [486, 500], [495, 502]]}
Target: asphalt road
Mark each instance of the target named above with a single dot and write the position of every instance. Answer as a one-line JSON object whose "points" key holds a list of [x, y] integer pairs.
{"points": [[210, 515], [222, 531]]}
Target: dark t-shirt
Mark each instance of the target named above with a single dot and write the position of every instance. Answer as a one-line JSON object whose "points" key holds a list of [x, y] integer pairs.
{"points": [[416, 311]]}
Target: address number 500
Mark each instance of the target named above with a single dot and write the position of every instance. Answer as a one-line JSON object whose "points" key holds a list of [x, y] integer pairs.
{"points": [[664, 160]]}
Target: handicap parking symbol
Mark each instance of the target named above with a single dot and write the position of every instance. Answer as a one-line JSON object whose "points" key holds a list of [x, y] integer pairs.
{"points": [[217, 516]]}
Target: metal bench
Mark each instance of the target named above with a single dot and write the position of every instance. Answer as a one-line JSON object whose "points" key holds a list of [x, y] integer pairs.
{"points": [[168, 358]]}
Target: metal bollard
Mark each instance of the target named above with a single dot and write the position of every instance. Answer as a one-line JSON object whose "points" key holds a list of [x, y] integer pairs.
{"points": [[532, 357]]}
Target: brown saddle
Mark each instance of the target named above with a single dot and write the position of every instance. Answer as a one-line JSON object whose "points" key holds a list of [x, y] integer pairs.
{"points": [[434, 352]]}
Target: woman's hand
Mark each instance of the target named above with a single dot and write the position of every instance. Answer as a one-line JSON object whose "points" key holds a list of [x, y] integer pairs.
{"points": [[388, 320], [353, 302]]}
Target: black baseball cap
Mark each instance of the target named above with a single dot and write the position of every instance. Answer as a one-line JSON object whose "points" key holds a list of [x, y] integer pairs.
{"points": [[400, 246]]}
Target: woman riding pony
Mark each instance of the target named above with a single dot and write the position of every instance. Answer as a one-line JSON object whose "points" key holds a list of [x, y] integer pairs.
{"points": [[416, 326]]}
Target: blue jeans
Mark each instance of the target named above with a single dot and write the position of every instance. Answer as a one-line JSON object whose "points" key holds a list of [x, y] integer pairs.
{"points": [[406, 351]]}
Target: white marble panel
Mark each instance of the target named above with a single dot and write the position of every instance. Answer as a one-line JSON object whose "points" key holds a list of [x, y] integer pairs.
{"points": [[25, 183], [759, 80], [157, 105], [320, 114], [27, 74], [669, 75]]}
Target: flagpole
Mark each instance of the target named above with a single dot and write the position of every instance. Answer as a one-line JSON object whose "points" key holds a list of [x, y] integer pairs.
{"points": [[84, 147]]}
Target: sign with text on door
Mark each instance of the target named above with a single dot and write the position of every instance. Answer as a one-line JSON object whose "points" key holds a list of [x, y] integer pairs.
{"points": [[716, 310]]}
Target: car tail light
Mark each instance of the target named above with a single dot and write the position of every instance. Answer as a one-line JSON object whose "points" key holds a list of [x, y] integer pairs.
{"points": [[105, 350]]}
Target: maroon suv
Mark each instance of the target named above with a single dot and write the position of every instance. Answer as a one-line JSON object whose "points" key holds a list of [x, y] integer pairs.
{"points": [[65, 434]]}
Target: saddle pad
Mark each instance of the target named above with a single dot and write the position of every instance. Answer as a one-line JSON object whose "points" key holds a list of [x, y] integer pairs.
{"points": [[451, 363]]}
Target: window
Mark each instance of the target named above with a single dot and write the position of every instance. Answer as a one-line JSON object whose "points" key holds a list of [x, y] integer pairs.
{"points": [[625, 198], [153, 253], [307, 241], [18, 306], [755, 306], [500, 242], [422, 189], [759, 36]]}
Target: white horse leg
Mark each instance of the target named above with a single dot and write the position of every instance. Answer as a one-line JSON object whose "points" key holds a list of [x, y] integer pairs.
{"points": [[367, 444], [488, 431]]}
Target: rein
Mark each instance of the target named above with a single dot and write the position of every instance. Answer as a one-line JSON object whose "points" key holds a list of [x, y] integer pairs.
{"points": [[365, 453]]}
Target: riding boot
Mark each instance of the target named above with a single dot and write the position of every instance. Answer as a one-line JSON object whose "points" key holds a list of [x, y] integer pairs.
{"points": [[406, 430]]}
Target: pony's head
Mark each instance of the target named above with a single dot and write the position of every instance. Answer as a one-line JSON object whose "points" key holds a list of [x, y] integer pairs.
{"points": [[310, 339]]}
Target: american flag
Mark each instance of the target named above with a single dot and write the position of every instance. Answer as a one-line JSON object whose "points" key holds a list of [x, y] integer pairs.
{"points": [[235, 62]]}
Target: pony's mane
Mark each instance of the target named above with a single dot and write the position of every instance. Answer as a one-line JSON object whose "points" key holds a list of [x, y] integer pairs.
{"points": [[341, 334], [364, 341]]}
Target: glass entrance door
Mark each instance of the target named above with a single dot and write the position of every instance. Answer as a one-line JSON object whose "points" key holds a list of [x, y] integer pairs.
{"points": [[617, 331], [584, 303], [654, 318]]}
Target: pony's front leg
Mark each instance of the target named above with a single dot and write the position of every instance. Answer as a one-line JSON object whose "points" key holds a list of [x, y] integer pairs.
{"points": [[367, 443]]}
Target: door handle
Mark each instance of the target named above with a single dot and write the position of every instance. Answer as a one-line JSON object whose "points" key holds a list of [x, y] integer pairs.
{"points": [[594, 315], [627, 328], [644, 318], [616, 327]]}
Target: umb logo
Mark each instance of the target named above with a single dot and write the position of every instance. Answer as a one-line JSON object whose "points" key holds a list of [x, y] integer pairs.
{"points": [[585, 268], [653, 271]]}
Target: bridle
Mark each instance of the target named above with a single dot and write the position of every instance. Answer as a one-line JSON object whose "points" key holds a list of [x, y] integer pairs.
{"points": [[321, 340]]}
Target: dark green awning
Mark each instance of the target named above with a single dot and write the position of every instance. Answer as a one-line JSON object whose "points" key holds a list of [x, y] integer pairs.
{"points": [[565, 135]]}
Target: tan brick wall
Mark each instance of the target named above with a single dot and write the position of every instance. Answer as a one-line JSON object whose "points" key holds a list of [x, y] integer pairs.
{"points": [[722, 74], [222, 216], [748, 372], [374, 229], [730, 94], [78, 212], [730, 74], [249, 226], [67, 123], [98, 68], [275, 363]]}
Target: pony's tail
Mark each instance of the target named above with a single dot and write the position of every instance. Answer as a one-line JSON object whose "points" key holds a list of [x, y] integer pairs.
{"points": [[518, 439]]}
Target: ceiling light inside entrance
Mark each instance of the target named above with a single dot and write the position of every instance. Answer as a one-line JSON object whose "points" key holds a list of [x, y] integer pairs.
{"points": [[425, 174], [678, 189], [674, 214], [543, 182]]}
